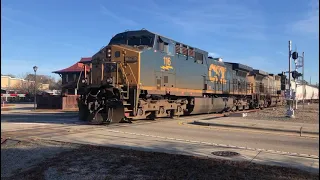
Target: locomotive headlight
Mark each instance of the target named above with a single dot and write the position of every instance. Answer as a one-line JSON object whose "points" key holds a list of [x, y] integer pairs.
{"points": [[109, 53]]}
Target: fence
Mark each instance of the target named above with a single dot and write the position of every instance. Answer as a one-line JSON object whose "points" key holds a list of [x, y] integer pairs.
{"points": [[68, 102]]}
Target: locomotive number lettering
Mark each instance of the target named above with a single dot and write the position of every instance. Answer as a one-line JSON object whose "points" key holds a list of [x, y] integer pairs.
{"points": [[217, 74], [167, 63]]}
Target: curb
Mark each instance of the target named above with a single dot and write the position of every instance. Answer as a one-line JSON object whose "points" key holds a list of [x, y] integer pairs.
{"points": [[257, 128], [63, 114]]}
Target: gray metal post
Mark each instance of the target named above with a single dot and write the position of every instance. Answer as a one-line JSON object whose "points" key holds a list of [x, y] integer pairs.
{"points": [[290, 111], [289, 65], [303, 83], [35, 68], [296, 88], [35, 89]]}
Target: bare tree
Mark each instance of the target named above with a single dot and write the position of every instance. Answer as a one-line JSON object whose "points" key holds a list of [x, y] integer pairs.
{"points": [[57, 85], [28, 85]]}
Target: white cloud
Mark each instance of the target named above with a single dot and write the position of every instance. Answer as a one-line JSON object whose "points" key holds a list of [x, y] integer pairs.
{"points": [[11, 15], [282, 53], [216, 18], [213, 54], [258, 62], [309, 24], [120, 19], [16, 67], [13, 21]]}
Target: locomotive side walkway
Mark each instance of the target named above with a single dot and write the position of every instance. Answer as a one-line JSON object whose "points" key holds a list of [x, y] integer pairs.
{"points": [[303, 129]]}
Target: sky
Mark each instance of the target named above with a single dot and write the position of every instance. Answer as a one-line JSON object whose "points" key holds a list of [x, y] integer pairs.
{"points": [[54, 34]]}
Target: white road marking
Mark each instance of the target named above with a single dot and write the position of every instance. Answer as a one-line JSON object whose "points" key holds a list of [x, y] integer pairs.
{"points": [[220, 145]]}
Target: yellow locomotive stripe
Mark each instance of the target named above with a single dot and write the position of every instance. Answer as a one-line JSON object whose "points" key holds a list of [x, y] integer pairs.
{"points": [[187, 91], [127, 48]]}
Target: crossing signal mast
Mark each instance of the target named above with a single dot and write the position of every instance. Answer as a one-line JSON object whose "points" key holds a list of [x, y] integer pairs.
{"points": [[290, 94]]}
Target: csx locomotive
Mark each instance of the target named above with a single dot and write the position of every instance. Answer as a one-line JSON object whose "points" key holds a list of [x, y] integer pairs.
{"points": [[141, 75]]}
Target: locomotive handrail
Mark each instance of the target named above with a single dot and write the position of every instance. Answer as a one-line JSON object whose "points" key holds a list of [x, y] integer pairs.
{"points": [[134, 77], [125, 77], [136, 100]]}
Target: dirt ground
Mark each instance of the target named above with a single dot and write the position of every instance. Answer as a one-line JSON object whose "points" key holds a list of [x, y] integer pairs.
{"points": [[52, 160], [308, 114]]}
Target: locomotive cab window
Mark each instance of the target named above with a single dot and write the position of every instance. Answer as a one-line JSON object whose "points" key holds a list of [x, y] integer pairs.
{"points": [[117, 54], [139, 40], [134, 41]]}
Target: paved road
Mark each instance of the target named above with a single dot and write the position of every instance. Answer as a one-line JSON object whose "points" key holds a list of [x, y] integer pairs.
{"points": [[163, 135], [180, 129]]}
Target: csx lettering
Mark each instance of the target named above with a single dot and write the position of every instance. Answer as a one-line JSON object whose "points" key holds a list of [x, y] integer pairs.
{"points": [[219, 73]]}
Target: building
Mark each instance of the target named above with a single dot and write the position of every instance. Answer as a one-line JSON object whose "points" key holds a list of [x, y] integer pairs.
{"points": [[10, 83], [70, 76]]}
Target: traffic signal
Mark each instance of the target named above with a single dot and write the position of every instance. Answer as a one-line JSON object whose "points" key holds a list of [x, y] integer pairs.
{"points": [[296, 74]]}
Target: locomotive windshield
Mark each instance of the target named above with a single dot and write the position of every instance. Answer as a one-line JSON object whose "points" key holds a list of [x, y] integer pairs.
{"points": [[136, 38]]}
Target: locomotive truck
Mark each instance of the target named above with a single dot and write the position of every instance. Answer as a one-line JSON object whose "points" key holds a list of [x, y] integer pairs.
{"points": [[144, 75]]}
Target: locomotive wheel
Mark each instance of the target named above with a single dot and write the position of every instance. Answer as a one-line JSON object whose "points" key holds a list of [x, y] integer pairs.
{"points": [[226, 113], [98, 119], [83, 113], [261, 106], [153, 115]]}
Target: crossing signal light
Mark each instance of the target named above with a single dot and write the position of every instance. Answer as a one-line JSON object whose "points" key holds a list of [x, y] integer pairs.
{"points": [[295, 55], [296, 74]]}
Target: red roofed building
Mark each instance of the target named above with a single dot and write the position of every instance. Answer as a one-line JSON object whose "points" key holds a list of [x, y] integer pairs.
{"points": [[70, 76]]}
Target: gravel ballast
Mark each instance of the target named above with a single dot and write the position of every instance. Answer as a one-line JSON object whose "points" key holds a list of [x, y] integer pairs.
{"points": [[309, 114], [52, 160]]}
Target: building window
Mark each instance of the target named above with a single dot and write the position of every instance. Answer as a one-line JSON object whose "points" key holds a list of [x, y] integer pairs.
{"points": [[75, 77], [66, 76]]}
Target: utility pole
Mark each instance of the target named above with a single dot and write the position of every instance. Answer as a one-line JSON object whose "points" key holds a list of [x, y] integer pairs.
{"points": [[310, 80]]}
